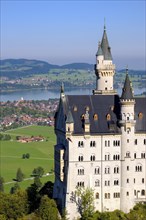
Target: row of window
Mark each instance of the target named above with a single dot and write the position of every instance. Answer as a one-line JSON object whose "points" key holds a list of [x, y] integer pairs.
{"points": [[116, 182], [116, 143], [97, 170], [136, 141], [143, 155], [115, 157], [108, 195], [93, 158], [116, 170]]}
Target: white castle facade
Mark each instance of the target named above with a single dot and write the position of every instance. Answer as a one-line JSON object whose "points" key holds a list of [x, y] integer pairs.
{"points": [[101, 143]]}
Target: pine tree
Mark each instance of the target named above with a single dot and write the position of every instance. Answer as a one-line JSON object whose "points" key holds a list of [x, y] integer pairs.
{"points": [[1, 184], [48, 209], [19, 175]]}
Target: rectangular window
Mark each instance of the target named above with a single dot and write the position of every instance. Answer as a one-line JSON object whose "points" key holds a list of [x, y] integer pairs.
{"points": [[142, 180], [127, 193], [127, 180], [127, 140], [144, 141], [128, 168], [135, 142], [134, 180]]}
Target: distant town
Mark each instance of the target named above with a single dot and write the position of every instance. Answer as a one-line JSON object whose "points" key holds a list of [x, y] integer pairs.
{"points": [[23, 113]]}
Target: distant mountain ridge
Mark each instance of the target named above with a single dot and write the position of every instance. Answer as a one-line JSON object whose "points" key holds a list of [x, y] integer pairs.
{"points": [[15, 68]]}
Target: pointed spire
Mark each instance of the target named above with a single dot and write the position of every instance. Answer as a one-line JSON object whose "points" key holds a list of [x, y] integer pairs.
{"points": [[127, 92], [69, 117], [105, 46], [86, 117], [62, 88], [99, 52], [104, 25]]}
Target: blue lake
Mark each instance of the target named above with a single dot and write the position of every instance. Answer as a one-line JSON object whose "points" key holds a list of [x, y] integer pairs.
{"points": [[45, 94]]}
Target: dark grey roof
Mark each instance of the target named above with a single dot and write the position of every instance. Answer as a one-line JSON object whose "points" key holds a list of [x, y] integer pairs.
{"points": [[105, 46], [140, 107], [127, 92], [74, 106], [100, 105]]}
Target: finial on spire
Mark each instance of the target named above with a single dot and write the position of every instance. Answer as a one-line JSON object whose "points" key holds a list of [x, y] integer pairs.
{"points": [[104, 25], [127, 70], [62, 87]]}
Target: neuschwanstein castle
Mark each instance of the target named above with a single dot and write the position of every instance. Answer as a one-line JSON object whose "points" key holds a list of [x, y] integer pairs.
{"points": [[101, 142]]}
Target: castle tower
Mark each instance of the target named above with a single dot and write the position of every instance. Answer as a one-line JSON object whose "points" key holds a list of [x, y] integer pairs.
{"points": [[127, 124], [104, 68]]}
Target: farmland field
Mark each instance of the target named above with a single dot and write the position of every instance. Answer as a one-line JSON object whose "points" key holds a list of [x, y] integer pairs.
{"points": [[41, 154]]}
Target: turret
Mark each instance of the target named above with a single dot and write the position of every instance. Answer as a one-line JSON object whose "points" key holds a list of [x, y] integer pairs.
{"points": [[127, 102], [104, 68], [69, 123]]}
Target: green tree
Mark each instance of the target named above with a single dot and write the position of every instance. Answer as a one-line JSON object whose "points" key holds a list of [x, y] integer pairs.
{"points": [[48, 209], [13, 206], [19, 175], [64, 215], [1, 184], [27, 155], [39, 171], [84, 199], [23, 156], [14, 188], [37, 182], [137, 213]]}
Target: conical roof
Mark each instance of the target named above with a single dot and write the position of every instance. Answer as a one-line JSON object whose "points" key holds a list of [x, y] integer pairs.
{"points": [[69, 117], [105, 46], [99, 52], [127, 92]]}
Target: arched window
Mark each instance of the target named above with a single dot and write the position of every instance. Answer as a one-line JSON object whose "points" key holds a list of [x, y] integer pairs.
{"points": [[80, 158], [97, 170], [92, 144], [116, 182], [92, 158], [107, 170], [127, 154], [138, 168], [116, 157], [143, 192], [97, 195], [116, 169], [81, 171], [80, 144], [97, 183]]}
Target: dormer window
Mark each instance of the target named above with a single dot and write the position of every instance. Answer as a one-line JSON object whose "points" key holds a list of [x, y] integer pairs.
{"points": [[140, 115], [82, 116], [95, 117], [75, 108], [87, 108], [108, 117]]}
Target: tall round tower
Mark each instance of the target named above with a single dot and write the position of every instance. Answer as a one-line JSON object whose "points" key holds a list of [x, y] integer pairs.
{"points": [[127, 124], [104, 68]]}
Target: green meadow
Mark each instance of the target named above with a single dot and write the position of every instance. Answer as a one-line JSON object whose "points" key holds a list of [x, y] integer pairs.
{"points": [[41, 154]]}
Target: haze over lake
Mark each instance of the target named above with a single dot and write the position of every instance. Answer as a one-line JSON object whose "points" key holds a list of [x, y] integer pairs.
{"points": [[45, 94]]}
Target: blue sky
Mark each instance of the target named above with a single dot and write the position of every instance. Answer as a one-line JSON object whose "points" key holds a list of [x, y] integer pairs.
{"points": [[61, 32]]}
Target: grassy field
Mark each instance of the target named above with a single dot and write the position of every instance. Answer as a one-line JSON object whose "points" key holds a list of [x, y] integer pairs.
{"points": [[41, 154]]}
